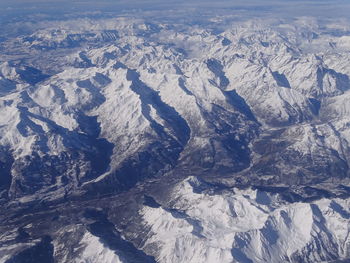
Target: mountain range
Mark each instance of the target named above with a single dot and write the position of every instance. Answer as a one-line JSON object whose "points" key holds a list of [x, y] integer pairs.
{"points": [[129, 141]]}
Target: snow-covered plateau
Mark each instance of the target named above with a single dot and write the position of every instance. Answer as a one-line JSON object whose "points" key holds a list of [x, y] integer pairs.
{"points": [[123, 140]]}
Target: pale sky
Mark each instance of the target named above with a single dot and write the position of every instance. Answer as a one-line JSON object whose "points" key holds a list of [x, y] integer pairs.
{"points": [[23, 9]]}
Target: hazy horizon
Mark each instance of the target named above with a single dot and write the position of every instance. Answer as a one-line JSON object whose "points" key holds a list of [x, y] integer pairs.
{"points": [[24, 9]]}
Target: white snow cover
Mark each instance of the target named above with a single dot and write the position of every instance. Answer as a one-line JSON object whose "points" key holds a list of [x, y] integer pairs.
{"points": [[246, 226], [272, 69], [276, 70], [95, 251]]}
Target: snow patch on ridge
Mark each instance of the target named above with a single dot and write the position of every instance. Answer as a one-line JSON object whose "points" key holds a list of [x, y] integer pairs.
{"points": [[245, 226], [95, 251]]}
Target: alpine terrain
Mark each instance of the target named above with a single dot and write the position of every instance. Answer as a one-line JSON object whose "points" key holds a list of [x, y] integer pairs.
{"points": [[124, 139]]}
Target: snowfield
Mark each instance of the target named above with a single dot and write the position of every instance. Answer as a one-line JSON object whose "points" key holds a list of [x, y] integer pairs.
{"points": [[246, 226]]}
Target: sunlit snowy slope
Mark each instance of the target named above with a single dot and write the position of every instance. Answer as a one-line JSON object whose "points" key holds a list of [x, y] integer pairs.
{"points": [[123, 140]]}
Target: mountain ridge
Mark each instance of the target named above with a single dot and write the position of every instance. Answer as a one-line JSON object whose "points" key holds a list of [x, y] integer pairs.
{"points": [[161, 142]]}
